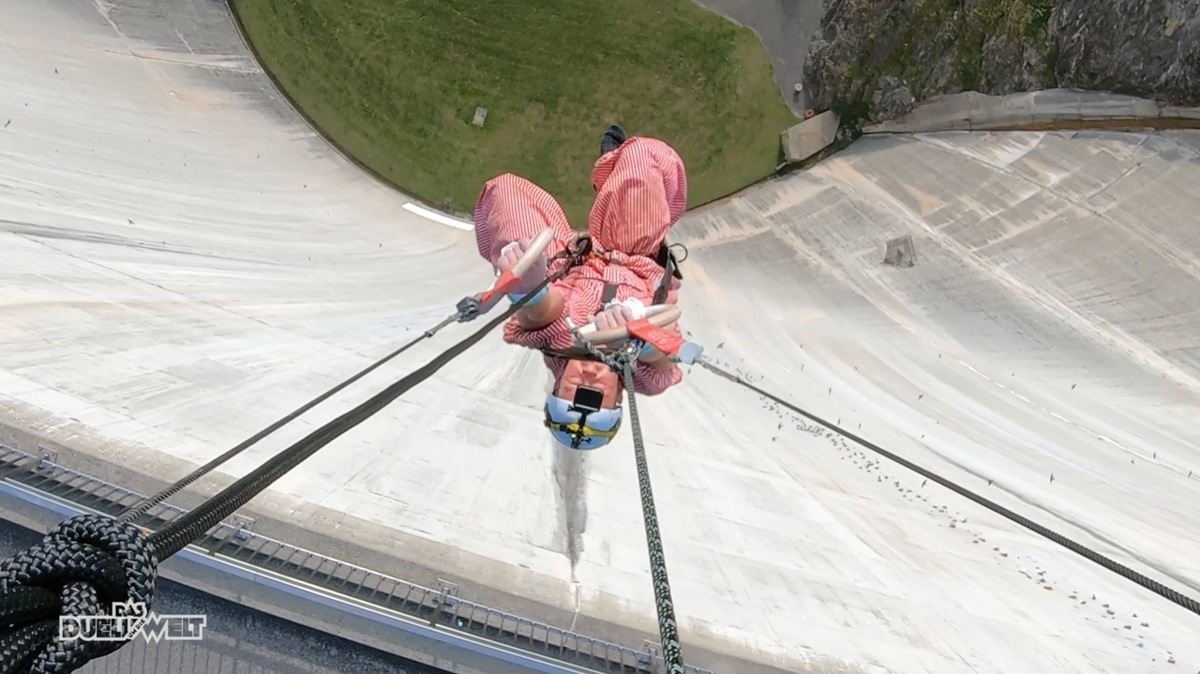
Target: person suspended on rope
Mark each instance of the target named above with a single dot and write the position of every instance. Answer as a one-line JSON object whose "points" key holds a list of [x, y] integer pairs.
{"points": [[641, 192]]}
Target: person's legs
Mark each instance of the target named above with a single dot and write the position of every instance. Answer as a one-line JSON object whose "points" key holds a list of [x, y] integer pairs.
{"points": [[510, 208], [641, 192]]}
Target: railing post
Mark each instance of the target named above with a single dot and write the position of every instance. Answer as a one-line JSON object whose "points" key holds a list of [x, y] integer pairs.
{"points": [[447, 589], [46, 458], [654, 650]]}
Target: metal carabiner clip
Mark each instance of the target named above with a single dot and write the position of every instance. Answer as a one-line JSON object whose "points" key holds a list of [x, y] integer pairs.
{"points": [[581, 247]]}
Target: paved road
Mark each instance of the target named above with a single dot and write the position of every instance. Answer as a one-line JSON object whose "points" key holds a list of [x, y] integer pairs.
{"points": [[786, 28]]}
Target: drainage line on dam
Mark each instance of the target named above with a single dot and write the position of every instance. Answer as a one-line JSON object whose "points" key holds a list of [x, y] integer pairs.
{"points": [[1149, 583]]}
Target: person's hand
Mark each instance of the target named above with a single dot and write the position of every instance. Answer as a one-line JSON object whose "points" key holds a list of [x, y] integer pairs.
{"points": [[614, 317], [511, 255]]}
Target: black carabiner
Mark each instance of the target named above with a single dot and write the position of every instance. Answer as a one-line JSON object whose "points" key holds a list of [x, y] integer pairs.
{"points": [[581, 247]]}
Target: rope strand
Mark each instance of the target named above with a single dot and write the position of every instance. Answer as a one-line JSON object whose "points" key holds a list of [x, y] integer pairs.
{"points": [[668, 629], [142, 507]]}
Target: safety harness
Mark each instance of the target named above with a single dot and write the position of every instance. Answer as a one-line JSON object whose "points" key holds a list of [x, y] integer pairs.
{"points": [[667, 260], [579, 431]]}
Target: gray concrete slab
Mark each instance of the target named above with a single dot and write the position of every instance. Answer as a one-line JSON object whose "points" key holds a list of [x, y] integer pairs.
{"points": [[809, 137], [973, 111], [184, 260]]}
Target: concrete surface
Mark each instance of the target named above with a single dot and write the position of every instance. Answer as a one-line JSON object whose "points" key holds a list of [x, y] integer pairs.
{"points": [[809, 137], [973, 111], [786, 29], [236, 640], [185, 261]]}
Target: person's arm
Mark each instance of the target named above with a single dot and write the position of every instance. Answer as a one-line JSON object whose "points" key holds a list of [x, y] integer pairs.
{"points": [[657, 360], [543, 324], [538, 315], [653, 378], [655, 372]]}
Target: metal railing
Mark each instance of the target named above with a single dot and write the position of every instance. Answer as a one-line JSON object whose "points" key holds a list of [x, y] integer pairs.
{"points": [[441, 607], [216, 654]]}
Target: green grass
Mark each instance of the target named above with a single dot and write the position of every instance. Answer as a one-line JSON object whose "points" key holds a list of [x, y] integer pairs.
{"points": [[395, 84]]}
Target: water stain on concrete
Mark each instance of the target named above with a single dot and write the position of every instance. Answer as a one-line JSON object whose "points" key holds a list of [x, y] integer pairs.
{"points": [[570, 476]]}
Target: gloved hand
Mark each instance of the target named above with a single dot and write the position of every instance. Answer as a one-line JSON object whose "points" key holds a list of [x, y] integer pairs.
{"points": [[511, 254]]}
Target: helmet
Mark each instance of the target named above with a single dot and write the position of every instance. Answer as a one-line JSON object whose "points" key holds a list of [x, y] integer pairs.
{"points": [[582, 423]]}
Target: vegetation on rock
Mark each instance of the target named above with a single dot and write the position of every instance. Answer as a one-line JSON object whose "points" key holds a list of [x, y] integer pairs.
{"points": [[874, 61]]}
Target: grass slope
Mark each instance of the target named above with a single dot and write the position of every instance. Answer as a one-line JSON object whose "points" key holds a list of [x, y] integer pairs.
{"points": [[395, 83]]}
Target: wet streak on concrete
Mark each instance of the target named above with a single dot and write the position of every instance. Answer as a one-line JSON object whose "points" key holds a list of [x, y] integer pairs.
{"points": [[570, 477]]}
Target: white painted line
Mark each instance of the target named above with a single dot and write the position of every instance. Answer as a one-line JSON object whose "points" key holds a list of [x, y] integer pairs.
{"points": [[438, 217]]}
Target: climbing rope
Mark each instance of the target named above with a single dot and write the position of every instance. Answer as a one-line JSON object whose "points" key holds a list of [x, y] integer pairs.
{"points": [[668, 630], [90, 562], [1079, 549], [179, 532], [80, 568], [467, 310], [623, 362]]}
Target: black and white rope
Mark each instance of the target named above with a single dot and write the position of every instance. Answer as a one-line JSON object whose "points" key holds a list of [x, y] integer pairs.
{"points": [[668, 629], [81, 568], [623, 360]]}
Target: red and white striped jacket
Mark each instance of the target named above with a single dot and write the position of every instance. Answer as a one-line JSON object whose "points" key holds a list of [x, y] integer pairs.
{"points": [[641, 192]]}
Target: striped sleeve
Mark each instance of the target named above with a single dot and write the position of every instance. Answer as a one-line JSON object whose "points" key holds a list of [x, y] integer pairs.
{"points": [[650, 381]]}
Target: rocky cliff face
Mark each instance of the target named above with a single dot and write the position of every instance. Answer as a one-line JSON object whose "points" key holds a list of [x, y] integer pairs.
{"points": [[876, 59]]}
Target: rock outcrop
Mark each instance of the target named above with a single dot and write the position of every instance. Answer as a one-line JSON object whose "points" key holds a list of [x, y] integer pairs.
{"points": [[1148, 48], [875, 60]]}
